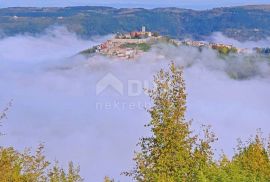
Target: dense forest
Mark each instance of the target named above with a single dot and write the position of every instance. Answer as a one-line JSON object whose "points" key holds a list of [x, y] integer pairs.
{"points": [[242, 23]]}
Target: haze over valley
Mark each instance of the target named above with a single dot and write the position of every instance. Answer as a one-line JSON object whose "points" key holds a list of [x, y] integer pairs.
{"points": [[55, 100], [76, 78]]}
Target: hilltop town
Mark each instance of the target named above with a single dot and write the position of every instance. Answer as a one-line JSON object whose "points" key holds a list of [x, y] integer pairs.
{"points": [[133, 44], [127, 46]]}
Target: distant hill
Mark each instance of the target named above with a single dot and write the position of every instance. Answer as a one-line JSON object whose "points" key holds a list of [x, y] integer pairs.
{"points": [[242, 23]]}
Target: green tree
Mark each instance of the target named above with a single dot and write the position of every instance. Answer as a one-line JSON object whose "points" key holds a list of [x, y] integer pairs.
{"points": [[20, 167], [57, 174], [27, 167], [250, 163], [107, 179], [172, 153], [252, 160]]}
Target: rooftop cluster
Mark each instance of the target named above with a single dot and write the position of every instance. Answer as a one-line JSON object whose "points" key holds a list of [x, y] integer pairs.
{"points": [[131, 45]]}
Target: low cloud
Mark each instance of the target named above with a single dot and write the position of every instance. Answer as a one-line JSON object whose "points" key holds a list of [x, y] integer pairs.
{"points": [[218, 37], [55, 99]]}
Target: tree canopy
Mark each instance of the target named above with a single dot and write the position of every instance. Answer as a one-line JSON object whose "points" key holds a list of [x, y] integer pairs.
{"points": [[25, 166], [173, 153]]}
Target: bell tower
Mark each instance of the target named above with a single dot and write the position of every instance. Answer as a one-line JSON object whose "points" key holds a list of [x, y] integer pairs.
{"points": [[143, 29]]}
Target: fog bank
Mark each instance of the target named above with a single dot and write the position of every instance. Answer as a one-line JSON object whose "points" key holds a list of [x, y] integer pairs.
{"points": [[55, 98]]}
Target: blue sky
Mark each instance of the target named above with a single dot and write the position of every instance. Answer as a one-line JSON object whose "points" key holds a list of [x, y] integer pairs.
{"points": [[194, 4]]}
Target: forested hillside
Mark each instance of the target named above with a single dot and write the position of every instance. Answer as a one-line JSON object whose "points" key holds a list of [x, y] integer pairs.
{"points": [[242, 23]]}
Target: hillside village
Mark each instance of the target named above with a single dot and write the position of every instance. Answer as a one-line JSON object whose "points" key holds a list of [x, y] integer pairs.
{"points": [[126, 46], [133, 44]]}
